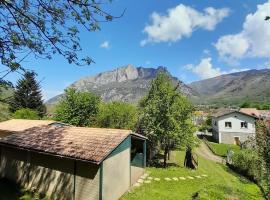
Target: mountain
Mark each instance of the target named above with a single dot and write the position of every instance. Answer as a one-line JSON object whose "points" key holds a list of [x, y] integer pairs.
{"points": [[235, 88], [127, 83]]}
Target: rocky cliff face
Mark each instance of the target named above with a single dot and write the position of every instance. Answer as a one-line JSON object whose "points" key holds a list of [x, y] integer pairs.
{"points": [[127, 83]]}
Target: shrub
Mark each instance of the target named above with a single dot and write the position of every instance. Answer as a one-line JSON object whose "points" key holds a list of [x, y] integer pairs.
{"points": [[117, 115], [77, 108], [25, 113], [246, 162]]}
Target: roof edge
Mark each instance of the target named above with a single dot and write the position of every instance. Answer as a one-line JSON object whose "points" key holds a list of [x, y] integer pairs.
{"points": [[235, 111], [47, 153]]}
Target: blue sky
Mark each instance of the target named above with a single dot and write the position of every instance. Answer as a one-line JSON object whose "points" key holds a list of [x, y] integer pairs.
{"points": [[193, 39]]}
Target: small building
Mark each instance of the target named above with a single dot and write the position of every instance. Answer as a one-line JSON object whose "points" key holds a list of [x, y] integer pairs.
{"points": [[71, 163], [233, 127]]}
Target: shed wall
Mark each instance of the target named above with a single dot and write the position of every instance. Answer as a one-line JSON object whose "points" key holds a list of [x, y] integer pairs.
{"points": [[116, 172], [51, 175]]}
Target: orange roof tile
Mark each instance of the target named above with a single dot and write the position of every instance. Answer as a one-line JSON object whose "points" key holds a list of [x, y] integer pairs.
{"points": [[250, 111]]}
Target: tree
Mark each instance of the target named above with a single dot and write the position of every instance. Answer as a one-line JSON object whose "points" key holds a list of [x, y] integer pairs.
{"points": [[46, 27], [27, 94], [25, 113], [263, 147], [166, 116], [117, 115], [77, 108]]}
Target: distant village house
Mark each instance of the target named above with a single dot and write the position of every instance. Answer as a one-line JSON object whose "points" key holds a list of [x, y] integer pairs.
{"points": [[233, 127]]}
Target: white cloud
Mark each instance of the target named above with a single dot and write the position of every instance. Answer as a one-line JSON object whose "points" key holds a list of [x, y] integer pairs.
{"points": [[205, 69], [105, 45], [252, 41], [180, 22]]}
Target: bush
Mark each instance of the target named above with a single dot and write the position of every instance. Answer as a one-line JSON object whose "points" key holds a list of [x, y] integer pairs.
{"points": [[117, 115], [246, 162], [25, 113], [77, 108]]}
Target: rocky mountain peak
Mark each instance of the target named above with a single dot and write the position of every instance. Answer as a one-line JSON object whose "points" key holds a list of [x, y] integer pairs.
{"points": [[127, 83]]}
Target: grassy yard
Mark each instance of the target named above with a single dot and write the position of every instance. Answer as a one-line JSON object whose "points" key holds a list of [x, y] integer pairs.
{"points": [[12, 191], [221, 149], [220, 183]]}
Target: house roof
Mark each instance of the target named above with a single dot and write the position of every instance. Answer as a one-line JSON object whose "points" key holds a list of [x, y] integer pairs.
{"points": [[88, 144], [250, 111], [226, 112], [15, 125]]}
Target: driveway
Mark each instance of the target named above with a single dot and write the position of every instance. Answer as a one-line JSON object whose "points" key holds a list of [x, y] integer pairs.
{"points": [[205, 152]]}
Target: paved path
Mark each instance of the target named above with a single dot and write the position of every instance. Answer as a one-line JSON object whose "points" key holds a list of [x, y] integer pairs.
{"points": [[205, 152]]}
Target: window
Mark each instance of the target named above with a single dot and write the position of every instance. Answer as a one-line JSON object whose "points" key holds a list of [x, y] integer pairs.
{"points": [[215, 123], [228, 124], [244, 125]]}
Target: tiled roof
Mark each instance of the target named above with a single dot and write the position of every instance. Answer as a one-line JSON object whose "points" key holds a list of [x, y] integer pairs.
{"points": [[89, 144], [226, 112], [250, 111], [220, 113], [265, 114], [15, 125]]}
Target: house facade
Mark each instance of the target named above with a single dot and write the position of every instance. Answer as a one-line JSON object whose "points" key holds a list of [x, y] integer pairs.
{"points": [[71, 163], [233, 127]]}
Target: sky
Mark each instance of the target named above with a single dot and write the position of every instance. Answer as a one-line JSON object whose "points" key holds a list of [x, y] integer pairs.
{"points": [[194, 39]]}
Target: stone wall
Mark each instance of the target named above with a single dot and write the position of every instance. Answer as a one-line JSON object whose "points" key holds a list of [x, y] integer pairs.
{"points": [[228, 138]]}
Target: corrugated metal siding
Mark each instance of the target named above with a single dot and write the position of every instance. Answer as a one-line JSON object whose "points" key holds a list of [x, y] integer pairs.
{"points": [[116, 172], [87, 181]]}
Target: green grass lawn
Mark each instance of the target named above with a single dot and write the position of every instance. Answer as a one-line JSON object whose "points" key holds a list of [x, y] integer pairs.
{"points": [[12, 191], [221, 149], [221, 183]]}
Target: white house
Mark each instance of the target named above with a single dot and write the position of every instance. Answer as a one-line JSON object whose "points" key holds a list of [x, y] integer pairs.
{"points": [[233, 127]]}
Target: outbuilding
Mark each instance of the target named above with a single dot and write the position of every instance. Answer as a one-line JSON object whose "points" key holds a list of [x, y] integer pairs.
{"points": [[66, 162]]}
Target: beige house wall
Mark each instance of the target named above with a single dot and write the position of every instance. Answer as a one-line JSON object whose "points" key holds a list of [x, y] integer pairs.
{"points": [[116, 175]]}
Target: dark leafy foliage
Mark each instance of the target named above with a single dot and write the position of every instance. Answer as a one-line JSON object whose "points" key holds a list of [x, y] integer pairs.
{"points": [[45, 27], [27, 94], [263, 145]]}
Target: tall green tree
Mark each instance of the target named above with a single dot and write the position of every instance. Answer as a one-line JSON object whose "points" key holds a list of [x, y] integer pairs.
{"points": [[77, 108], [117, 115], [27, 94], [42, 28], [263, 147], [165, 116]]}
